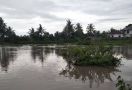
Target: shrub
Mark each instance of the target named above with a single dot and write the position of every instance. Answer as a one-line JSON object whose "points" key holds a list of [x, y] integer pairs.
{"points": [[93, 55]]}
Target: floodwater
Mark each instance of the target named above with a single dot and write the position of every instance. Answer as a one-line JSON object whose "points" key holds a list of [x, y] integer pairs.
{"points": [[46, 68]]}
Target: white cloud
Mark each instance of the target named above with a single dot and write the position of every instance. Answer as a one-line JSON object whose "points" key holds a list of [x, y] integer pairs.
{"points": [[3, 14], [23, 14]]}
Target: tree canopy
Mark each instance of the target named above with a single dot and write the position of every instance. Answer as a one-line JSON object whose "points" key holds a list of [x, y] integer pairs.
{"points": [[71, 33]]}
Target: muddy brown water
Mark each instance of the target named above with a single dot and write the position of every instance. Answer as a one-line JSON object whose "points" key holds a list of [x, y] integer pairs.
{"points": [[45, 68]]}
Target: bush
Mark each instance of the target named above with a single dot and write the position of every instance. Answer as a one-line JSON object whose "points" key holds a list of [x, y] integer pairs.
{"points": [[93, 55]]}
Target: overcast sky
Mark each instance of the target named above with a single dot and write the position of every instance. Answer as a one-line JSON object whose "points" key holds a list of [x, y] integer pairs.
{"points": [[52, 14]]}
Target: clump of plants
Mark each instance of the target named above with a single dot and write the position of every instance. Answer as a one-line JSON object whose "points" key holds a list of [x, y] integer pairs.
{"points": [[93, 55], [121, 85]]}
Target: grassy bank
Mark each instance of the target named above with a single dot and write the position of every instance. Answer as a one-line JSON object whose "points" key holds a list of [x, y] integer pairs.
{"points": [[105, 41]]}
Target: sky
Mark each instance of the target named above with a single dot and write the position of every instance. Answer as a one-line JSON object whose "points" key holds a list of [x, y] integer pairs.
{"points": [[21, 15]]}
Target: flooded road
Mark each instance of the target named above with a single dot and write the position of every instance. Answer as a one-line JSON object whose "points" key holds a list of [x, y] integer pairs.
{"points": [[46, 68]]}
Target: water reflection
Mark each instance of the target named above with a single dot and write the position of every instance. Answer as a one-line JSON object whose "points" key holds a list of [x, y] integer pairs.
{"points": [[92, 74], [95, 75], [57, 63], [64, 53], [40, 53], [7, 55], [125, 51]]}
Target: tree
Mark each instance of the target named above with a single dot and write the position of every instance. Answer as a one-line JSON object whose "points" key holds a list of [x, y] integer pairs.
{"points": [[3, 28], [90, 30], [78, 30], [10, 32], [58, 36], [68, 30], [10, 35], [32, 34], [39, 34], [40, 31]]}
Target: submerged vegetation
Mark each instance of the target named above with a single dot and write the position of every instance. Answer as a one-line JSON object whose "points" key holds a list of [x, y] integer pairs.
{"points": [[121, 85], [92, 55]]}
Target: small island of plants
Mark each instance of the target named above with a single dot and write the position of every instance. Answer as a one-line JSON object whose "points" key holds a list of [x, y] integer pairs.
{"points": [[92, 55]]}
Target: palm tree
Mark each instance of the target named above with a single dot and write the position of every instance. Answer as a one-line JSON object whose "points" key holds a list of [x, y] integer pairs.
{"points": [[90, 28], [79, 31]]}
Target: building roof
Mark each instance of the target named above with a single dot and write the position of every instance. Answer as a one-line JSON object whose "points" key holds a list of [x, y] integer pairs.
{"points": [[129, 27], [114, 31]]}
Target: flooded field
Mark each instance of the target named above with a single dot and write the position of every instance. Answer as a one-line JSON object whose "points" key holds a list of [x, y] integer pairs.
{"points": [[45, 68]]}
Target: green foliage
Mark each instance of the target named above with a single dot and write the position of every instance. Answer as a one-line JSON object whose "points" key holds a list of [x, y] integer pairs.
{"points": [[93, 55], [68, 29], [7, 34], [90, 28], [121, 85], [3, 28], [79, 31], [40, 35], [71, 34]]}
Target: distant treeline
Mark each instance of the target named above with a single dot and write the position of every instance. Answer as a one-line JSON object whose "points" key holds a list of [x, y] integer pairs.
{"points": [[70, 34]]}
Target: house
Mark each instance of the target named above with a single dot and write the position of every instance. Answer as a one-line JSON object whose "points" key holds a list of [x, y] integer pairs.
{"points": [[128, 31], [124, 33], [116, 33]]}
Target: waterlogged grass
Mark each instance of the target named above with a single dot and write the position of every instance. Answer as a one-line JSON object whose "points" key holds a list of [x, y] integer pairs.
{"points": [[92, 55], [121, 85]]}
